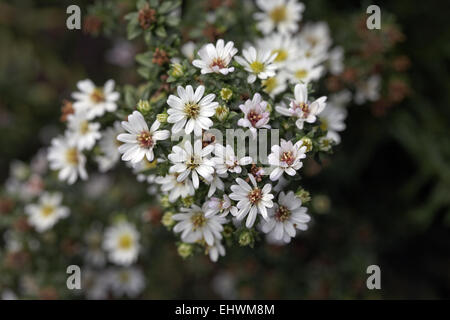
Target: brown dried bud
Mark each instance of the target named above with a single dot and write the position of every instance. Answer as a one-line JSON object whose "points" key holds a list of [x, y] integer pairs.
{"points": [[147, 16], [92, 25], [160, 57]]}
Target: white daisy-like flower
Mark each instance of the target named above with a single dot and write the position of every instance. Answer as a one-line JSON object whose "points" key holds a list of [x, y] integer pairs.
{"points": [[286, 158], [284, 46], [332, 120], [82, 132], [219, 206], [121, 241], [226, 161], [304, 70], [215, 251], [195, 226], [190, 110], [216, 59], [336, 61], [301, 108], [175, 189], [64, 156], [192, 161], [188, 50], [109, 147], [47, 212], [258, 63], [128, 281], [282, 15], [95, 101], [251, 200], [140, 140], [368, 90], [316, 38], [285, 217], [275, 85], [93, 253], [256, 114]]}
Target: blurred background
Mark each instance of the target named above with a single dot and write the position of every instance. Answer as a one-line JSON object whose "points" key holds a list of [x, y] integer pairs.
{"points": [[383, 198]]}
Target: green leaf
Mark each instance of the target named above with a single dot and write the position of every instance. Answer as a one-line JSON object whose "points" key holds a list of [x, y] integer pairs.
{"points": [[133, 30], [161, 32], [145, 59]]}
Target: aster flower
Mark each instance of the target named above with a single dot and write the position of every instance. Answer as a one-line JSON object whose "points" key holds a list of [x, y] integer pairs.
{"points": [[95, 101], [284, 46], [304, 70], [315, 37], [283, 15], [258, 63], [301, 108], [286, 158], [368, 90], [216, 183], [192, 161], [225, 160], [44, 215], [128, 281], [251, 200], [190, 110], [332, 121], [256, 115], [82, 132], [109, 147], [64, 156], [121, 241], [275, 85], [170, 184], [215, 251], [140, 140], [285, 217], [216, 205], [195, 226], [215, 59]]}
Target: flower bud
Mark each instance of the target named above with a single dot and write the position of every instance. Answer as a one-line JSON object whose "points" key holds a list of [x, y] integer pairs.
{"points": [[185, 250], [176, 70], [246, 238], [167, 220], [307, 142], [303, 195], [144, 107], [226, 94], [162, 117], [165, 203], [325, 144], [188, 201], [222, 112]]}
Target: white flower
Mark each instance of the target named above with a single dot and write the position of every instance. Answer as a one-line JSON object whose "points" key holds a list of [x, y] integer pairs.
{"points": [[215, 205], [215, 59], [283, 45], [44, 215], [304, 70], [336, 61], [368, 90], [216, 183], [95, 101], [283, 15], [195, 226], [82, 132], [286, 158], [93, 254], [258, 63], [226, 161], [251, 200], [192, 161], [256, 115], [128, 281], [191, 110], [175, 188], [140, 141], [285, 217], [275, 85], [64, 156], [122, 243], [315, 37], [215, 251], [109, 147], [301, 108], [332, 120], [188, 49]]}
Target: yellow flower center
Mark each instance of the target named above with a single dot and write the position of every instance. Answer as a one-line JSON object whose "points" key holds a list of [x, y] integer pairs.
{"points": [[47, 210], [125, 241], [72, 156], [84, 127], [282, 214], [323, 124], [257, 66], [97, 95], [281, 55], [198, 220], [192, 110], [278, 14], [270, 84], [193, 163], [301, 74], [255, 195]]}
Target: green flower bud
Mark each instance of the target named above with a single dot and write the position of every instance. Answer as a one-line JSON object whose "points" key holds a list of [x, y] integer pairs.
{"points": [[307, 142], [227, 231], [303, 195], [176, 70], [222, 112], [167, 220], [165, 203], [144, 107], [185, 250], [246, 238], [321, 203], [162, 117], [226, 94], [188, 201], [325, 144]]}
